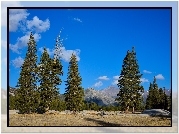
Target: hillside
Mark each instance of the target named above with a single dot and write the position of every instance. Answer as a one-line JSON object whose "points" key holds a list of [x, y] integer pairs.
{"points": [[101, 97]]}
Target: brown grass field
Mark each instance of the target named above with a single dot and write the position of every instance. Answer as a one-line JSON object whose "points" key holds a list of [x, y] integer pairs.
{"points": [[56, 119]]}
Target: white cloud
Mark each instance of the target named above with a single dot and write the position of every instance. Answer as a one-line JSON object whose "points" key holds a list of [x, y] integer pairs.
{"points": [[116, 77], [160, 77], [49, 51], [64, 54], [17, 18], [98, 84], [147, 72], [4, 44], [77, 19], [38, 25], [115, 82], [22, 42], [4, 5], [17, 62], [103, 78], [143, 80]]}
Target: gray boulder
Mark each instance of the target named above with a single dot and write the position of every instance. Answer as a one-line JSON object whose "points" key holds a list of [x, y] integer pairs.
{"points": [[156, 112]]}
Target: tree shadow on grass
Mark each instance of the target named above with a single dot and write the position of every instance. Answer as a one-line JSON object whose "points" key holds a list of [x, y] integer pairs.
{"points": [[103, 123]]}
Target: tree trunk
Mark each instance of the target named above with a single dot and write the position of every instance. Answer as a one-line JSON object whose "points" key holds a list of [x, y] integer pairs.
{"points": [[127, 110], [47, 109], [133, 110]]}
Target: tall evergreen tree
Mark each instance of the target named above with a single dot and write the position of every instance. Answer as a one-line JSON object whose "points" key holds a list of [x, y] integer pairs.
{"points": [[27, 99], [155, 95], [154, 99], [149, 101], [130, 90], [57, 66], [162, 98], [57, 72], [46, 86], [74, 95], [49, 75]]}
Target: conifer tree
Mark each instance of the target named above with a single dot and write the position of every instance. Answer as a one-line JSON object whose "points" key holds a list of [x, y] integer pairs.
{"points": [[27, 97], [155, 95], [162, 98], [153, 99], [49, 75], [57, 66], [140, 104], [74, 94], [56, 73], [130, 90], [12, 102], [46, 86], [149, 101], [58, 104]]}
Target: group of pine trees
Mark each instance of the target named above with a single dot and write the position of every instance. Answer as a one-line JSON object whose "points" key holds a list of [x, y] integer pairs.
{"points": [[157, 98], [37, 88], [130, 93]]}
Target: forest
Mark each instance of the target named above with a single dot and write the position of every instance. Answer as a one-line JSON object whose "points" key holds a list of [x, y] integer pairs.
{"points": [[38, 86]]}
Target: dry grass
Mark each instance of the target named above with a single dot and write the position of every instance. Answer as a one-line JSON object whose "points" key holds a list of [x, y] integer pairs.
{"points": [[86, 120]]}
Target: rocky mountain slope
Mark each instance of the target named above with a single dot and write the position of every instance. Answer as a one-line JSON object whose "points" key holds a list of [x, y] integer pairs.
{"points": [[101, 97], [107, 96]]}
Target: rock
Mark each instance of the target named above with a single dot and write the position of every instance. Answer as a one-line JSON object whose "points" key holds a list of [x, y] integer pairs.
{"points": [[83, 114], [67, 111], [105, 116], [156, 112], [62, 112]]}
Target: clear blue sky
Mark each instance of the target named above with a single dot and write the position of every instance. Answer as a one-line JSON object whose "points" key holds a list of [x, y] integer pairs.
{"points": [[102, 38]]}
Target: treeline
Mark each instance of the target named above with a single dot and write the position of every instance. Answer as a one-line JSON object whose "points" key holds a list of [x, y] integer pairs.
{"points": [[157, 98], [38, 92]]}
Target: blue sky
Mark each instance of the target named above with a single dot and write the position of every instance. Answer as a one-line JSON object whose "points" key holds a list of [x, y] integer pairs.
{"points": [[100, 39]]}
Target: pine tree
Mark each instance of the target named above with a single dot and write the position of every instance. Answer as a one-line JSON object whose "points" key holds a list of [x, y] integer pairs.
{"points": [[49, 74], [12, 102], [153, 99], [155, 95], [58, 104], [57, 66], [86, 105], [149, 101], [74, 95], [56, 73], [27, 97], [46, 86], [93, 106], [129, 83], [162, 98], [140, 106]]}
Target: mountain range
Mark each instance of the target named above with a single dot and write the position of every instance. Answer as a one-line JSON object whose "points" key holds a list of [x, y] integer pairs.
{"points": [[101, 97]]}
